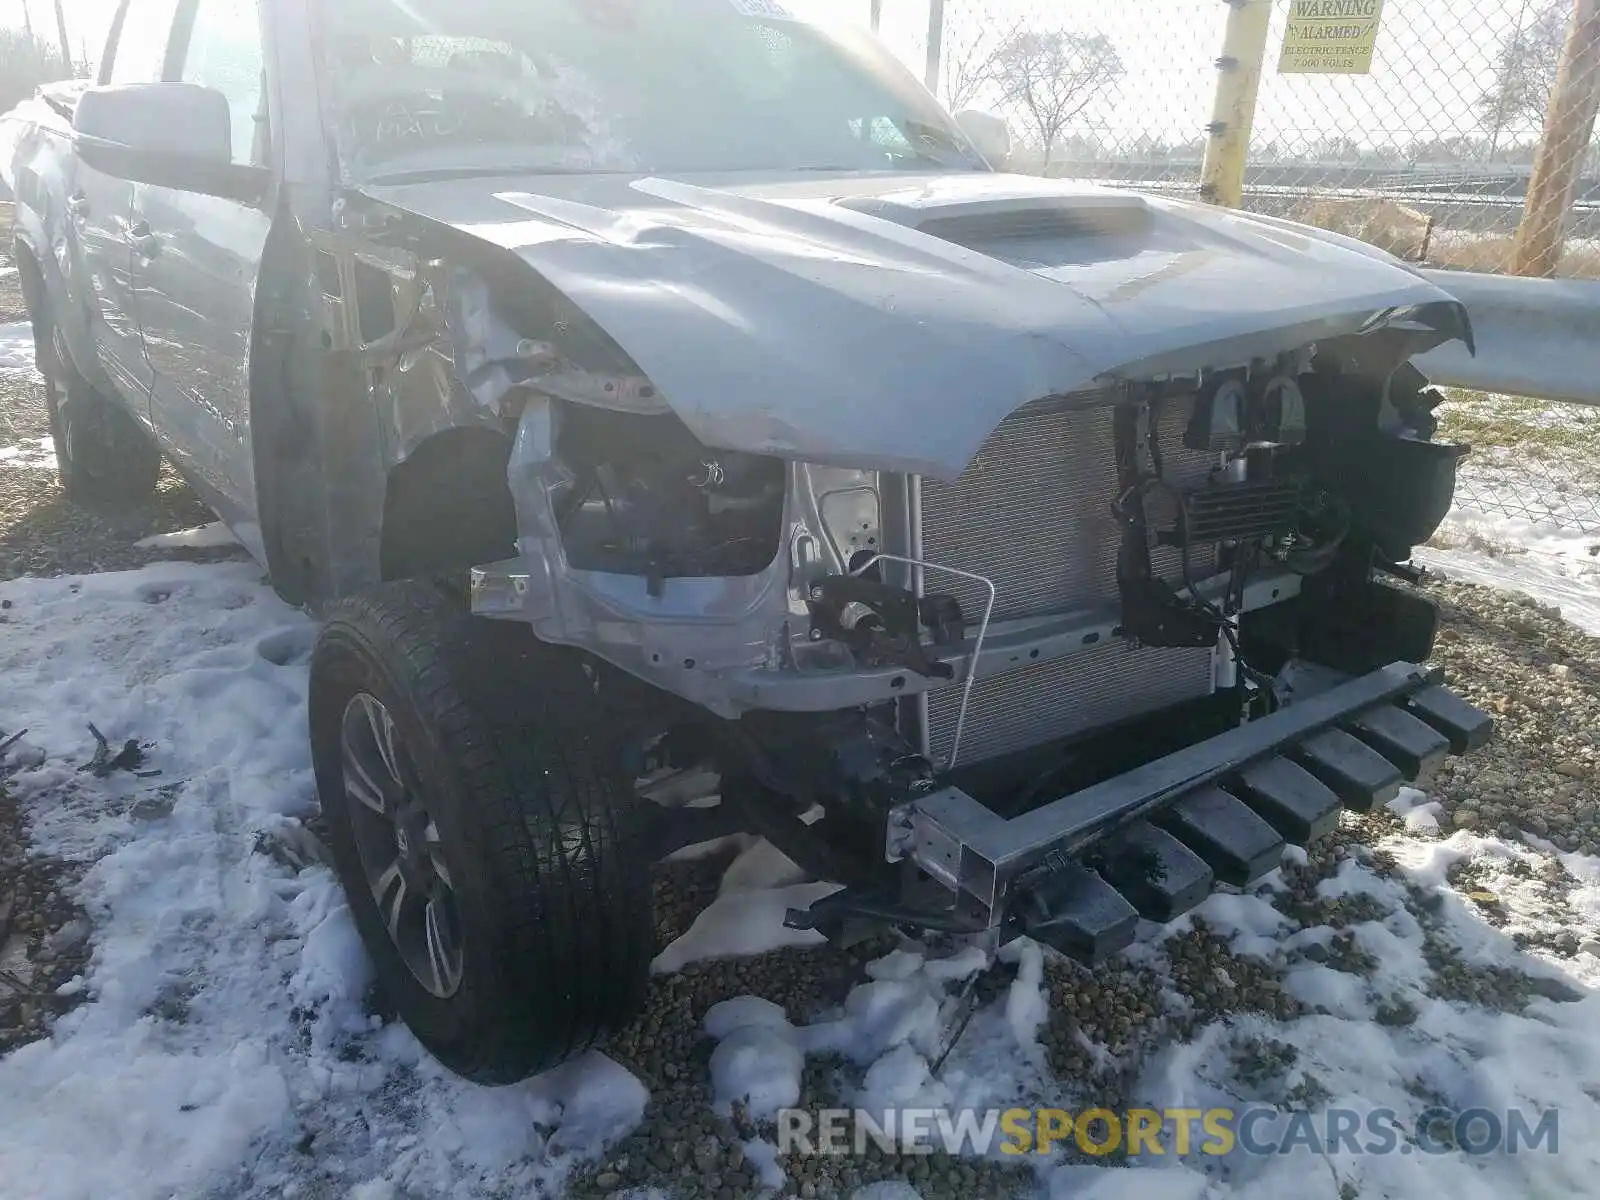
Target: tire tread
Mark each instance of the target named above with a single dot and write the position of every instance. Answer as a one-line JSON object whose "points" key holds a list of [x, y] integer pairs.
{"points": [[526, 747]]}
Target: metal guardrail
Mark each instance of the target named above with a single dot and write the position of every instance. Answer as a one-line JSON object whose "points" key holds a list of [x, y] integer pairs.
{"points": [[1536, 337]]}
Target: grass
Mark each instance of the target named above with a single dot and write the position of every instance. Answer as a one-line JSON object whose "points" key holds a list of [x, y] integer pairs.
{"points": [[1405, 232], [1492, 254], [1550, 432]]}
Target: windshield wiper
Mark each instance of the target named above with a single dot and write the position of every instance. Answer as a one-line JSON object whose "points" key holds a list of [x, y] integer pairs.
{"points": [[921, 158], [435, 174]]}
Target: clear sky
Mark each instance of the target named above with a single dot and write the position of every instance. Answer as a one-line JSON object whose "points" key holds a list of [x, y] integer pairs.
{"points": [[1433, 61]]}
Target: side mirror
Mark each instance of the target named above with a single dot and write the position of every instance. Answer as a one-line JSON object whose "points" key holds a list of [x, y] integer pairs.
{"points": [[177, 135], [988, 133]]}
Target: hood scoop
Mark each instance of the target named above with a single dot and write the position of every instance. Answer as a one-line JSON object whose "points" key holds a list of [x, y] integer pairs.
{"points": [[982, 223], [985, 229]]}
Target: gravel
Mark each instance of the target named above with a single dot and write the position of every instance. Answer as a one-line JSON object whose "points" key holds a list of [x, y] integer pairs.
{"points": [[1540, 777], [1538, 675], [41, 533], [43, 934], [1541, 679], [12, 305]]}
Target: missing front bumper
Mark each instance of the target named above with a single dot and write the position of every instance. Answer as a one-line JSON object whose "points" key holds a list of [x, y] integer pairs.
{"points": [[1080, 871]]}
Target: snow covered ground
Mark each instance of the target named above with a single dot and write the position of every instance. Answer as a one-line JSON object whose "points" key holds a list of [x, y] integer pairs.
{"points": [[224, 1022], [225, 1045], [1551, 565]]}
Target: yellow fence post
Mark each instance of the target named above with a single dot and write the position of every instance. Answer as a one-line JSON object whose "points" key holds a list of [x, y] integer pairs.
{"points": [[935, 44], [1568, 129], [66, 50], [1244, 48]]}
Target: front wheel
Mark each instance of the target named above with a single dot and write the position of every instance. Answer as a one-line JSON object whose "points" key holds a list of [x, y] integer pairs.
{"points": [[495, 860]]}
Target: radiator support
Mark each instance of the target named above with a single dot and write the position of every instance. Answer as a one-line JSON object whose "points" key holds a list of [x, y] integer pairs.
{"points": [[1033, 513]]}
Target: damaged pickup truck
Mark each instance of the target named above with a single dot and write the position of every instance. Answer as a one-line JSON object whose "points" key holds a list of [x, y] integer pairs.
{"points": [[684, 430]]}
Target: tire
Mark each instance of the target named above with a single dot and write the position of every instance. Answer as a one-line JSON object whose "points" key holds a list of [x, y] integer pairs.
{"points": [[543, 846], [103, 456]]}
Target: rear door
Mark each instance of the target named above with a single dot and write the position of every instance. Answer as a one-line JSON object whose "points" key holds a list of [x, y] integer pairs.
{"points": [[198, 262], [99, 210]]}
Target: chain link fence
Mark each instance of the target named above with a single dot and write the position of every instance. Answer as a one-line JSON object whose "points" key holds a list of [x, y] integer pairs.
{"points": [[1430, 152], [1531, 461], [1433, 153]]}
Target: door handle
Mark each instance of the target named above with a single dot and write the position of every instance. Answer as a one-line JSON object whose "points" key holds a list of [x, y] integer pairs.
{"points": [[145, 243], [78, 206]]}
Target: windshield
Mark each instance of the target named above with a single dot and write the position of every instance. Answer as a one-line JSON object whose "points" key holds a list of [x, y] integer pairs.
{"points": [[420, 87]]}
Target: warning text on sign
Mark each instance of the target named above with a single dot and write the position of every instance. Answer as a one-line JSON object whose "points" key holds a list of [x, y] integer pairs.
{"points": [[1331, 37]]}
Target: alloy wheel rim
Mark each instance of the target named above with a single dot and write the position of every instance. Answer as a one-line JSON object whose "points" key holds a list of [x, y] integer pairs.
{"points": [[398, 842]]}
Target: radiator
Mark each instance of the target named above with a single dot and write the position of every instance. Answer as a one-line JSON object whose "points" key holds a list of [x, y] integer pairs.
{"points": [[1033, 513]]}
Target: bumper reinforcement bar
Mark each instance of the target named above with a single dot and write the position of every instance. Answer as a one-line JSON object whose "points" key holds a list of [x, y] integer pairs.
{"points": [[1080, 871]]}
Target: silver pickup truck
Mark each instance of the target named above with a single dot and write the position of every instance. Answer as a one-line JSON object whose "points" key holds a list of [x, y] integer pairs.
{"points": [[684, 429]]}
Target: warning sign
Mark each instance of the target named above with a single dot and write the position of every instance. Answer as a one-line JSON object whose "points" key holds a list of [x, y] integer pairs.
{"points": [[1330, 37]]}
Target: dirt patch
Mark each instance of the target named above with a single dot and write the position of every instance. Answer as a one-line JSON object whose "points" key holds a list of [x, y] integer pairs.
{"points": [[42, 533]]}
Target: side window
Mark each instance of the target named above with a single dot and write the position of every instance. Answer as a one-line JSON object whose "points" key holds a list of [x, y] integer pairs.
{"points": [[140, 51], [224, 52]]}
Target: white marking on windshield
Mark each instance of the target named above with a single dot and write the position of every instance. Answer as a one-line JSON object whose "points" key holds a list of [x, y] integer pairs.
{"points": [[768, 9]]}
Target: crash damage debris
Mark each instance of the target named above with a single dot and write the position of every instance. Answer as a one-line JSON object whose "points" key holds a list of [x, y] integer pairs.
{"points": [[132, 756]]}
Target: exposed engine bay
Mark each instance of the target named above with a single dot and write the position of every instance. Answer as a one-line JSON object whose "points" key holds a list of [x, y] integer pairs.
{"points": [[1145, 621], [648, 498], [927, 679], [680, 428]]}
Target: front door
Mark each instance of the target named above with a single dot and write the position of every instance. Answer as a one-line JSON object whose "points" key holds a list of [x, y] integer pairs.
{"points": [[198, 259], [100, 206]]}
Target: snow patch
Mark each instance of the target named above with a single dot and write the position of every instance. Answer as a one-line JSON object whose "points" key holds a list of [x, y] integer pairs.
{"points": [[1026, 1005], [742, 923], [201, 537], [743, 1012], [760, 865], [1438, 1052], [224, 1017], [1421, 814], [758, 1066], [16, 346], [34, 453], [1080, 1181], [893, 1027], [762, 1156], [1549, 563]]}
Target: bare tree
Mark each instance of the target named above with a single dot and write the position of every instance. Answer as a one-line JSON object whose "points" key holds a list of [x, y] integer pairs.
{"points": [[1525, 72], [26, 61], [66, 44], [969, 66], [1052, 77]]}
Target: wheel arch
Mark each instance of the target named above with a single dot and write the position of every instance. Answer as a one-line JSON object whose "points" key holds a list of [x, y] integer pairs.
{"points": [[45, 290], [448, 507]]}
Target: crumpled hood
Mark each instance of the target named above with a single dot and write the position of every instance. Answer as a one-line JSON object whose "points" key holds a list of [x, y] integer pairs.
{"points": [[891, 322]]}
